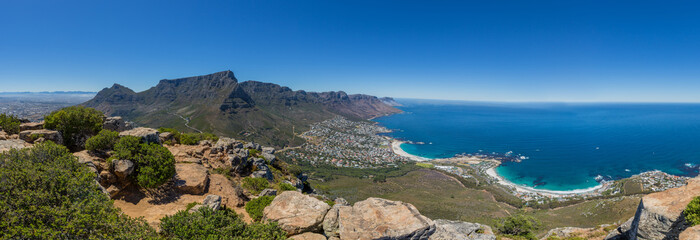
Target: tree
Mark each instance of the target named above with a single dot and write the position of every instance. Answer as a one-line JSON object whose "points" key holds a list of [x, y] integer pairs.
{"points": [[9, 123], [692, 211], [46, 194], [76, 124]]}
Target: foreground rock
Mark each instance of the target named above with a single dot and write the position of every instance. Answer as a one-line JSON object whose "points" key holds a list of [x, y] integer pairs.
{"points": [[659, 215], [296, 213], [308, 236], [330, 222], [191, 178], [692, 233], [31, 126], [377, 218], [455, 230], [116, 124], [147, 135], [211, 201], [6, 145], [31, 135], [123, 169], [231, 195]]}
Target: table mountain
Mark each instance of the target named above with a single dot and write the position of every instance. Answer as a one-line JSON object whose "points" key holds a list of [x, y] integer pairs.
{"points": [[218, 103]]}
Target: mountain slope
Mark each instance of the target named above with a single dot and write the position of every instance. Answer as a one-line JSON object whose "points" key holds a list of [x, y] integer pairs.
{"points": [[264, 112]]}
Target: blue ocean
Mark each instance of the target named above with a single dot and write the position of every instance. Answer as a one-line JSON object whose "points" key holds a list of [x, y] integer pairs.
{"points": [[566, 145]]}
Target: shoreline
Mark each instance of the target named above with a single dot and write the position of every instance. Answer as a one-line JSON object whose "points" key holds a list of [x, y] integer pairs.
{"points": [[396, 148]]}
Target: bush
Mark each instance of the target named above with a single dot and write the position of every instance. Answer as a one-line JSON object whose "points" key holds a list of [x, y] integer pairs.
{"points": [[75, 124], [692, 211], [46, 194], [9, 124], [103, 141], [222, 224], [287, 187], [154, 164], [518, 225], [255, 185], [255, 207], [195, 138]]}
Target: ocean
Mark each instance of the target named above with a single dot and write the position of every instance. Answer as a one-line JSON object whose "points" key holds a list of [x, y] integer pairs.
{"points": [[564, 146]]}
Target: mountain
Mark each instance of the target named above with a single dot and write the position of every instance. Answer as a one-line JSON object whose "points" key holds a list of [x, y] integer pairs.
{"points": [[264, 112]]}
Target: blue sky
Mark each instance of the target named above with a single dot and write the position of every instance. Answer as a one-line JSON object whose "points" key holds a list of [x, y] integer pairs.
{"points": [[645, 51]]}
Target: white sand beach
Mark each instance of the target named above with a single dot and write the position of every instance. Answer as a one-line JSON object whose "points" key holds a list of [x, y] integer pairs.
{"points": [[396, 147], [524, 189]]}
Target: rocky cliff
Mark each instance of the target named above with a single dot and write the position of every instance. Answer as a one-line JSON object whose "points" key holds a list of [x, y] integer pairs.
{"points": [[265, 112]]}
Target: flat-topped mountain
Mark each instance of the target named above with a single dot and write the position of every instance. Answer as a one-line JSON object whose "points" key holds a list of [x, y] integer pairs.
{"points": [[218, 103]]}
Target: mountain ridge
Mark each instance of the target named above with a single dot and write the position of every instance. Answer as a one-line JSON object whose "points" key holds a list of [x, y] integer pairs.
{"points": [[265, 112]]}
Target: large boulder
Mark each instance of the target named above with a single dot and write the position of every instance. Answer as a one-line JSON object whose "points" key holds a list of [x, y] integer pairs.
{"points": [[659, 215], [191, 178], [308, 236], [211, 201], [31, 135], [330, 221], [123, 168], [692, 233], [166, 137], [456, 230], [3, 135], [6, 145], [377, 218], [116, 124], [232, 195], [31, 126], [296, 213], [225, 145], [239, 163], [147, 135]]}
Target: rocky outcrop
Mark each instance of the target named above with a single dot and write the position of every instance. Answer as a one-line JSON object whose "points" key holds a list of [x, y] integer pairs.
{"points": [[147, 135], [659, 215], [296, 213], [6, 145], [31, 135], [123, 169], [330, 221], [231, 194], [456, 230], [308, 236], [116, 124], [191, 178], [692, 233], [31, 126], [377, 218], [167, 137], [268, 192], [225, 145], [211, 201]]}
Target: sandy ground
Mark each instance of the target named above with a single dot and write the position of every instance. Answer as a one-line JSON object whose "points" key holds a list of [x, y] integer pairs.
{"points": [[492, 172], [396, 147]]}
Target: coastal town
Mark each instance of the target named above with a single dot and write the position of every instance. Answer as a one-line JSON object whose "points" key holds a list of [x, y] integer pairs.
{"points": [[344, 143]]}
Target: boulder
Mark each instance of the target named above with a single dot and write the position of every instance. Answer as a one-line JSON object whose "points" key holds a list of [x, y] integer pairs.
{"points": [[6, 145], [330, 221], [269, 150], [166, 137], [377, 218], [296, 213], [252, 145], [114, 190], [659, 215], [147, 135], [231, 194], [86, 158], [223, 145], [31, 135], [308, 236], [116, 124], [122, 169], [107, 178], [31, 126], [271, 158], [211, 201], [239, 163], [191, 178], [268, 192], [692, 233], [266, 174], [3, 135], [456, 230], [296, 183]]}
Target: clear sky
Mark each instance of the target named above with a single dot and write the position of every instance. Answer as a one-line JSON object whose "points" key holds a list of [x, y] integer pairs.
{"points": [[473, 50]]}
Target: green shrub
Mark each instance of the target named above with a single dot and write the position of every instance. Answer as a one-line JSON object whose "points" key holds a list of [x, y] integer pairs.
{"points": [[287, 187], [518, 225], [154, 164], [254, 152], [692, 211], [330, 202], [222, 224], [46, 194], [74, 123], [9, 123], [255, 185], [379, 179], [103, 141], [264, 231], [195, 138], [255, 207]]}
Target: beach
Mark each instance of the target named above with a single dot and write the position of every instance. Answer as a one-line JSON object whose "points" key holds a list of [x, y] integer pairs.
{"points": [[396, 147]]}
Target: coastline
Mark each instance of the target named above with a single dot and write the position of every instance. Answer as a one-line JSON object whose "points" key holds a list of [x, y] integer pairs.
{"points": [[396, 148]]}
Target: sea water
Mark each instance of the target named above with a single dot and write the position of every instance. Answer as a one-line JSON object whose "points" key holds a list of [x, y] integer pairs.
{"points": [[567, 145]]}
